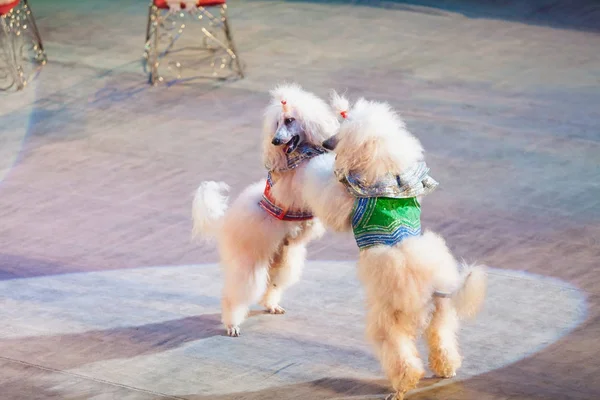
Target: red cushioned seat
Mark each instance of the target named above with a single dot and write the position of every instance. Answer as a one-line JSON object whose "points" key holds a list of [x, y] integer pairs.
{"points": [[201, 3], [5, 8]]}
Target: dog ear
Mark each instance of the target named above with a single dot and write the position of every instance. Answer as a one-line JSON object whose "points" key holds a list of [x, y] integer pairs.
{"points": [[364, 160], [370, 150], [372, 161]]}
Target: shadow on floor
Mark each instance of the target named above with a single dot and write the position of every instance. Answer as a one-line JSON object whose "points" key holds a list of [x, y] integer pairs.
{"points": [[69, 351], [325, 388], [19, 267]]}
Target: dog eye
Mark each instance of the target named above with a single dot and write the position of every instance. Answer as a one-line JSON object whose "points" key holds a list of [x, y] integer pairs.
{"points": [[288, 121]]}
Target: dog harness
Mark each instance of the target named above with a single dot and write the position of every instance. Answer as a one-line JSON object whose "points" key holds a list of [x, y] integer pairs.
{"points": [[414, 182], [387, 212], [384, 221], [302, 153]]}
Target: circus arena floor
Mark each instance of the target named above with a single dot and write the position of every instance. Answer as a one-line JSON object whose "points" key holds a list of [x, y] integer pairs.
{"points": [[103, 295]]}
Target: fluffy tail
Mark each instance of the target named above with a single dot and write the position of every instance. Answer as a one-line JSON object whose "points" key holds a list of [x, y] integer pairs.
{"points": [[208, 209], [469, 297]]}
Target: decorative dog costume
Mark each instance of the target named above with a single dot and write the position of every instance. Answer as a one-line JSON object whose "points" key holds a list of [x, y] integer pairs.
{"points": [[303, 153], [388, 211]]}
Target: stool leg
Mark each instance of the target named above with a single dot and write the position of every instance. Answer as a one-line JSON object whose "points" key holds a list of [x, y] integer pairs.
{"points": [[230, 42], [147, 52], [151, 44], [148, 24], [156, 25], [41, 53], [9, 54], [31, 19]]}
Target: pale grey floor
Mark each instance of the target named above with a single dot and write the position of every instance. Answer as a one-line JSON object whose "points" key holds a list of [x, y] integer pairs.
{"points": [[157, 330]]}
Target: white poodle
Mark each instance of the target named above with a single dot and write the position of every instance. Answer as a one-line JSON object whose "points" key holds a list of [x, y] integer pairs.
{"points": [[262, 237], [413, 283]]}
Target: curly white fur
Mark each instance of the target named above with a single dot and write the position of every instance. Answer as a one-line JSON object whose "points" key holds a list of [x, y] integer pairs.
{"points": [[400, 281], [340, 104], [468, 299], [327, 197], [261, 255]]}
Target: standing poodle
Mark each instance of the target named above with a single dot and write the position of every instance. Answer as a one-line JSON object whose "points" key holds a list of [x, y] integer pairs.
{"points": [[262, 237], [412, 282]]}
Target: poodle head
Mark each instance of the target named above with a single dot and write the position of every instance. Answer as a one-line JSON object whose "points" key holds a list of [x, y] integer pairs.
{"points": [[372, 140], [294, 116]]}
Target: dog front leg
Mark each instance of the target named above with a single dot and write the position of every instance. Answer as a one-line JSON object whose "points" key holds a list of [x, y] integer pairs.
{"points": [[393, 336]]}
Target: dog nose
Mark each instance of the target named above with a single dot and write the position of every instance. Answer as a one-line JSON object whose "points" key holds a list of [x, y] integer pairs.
{"points": [[276, 141], [330, 143]]}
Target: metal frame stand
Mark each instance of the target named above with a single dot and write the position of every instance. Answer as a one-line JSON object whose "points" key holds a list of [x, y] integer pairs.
{"points": [[22, 52], [166, 26]]}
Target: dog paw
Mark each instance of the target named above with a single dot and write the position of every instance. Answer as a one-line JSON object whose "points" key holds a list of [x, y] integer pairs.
{"points": [[448, 375], [275, 309], [444, 363], [233, 331], [444, 372], [395, 396]]}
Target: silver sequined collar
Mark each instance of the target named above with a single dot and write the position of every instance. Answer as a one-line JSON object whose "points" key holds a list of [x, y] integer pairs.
{"points": [[411, 183], [304, 151]]}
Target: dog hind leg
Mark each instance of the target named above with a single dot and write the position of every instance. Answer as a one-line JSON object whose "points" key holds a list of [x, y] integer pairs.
{"points": [[441, 334], [239, 292], [285, 270], [393, 335]]}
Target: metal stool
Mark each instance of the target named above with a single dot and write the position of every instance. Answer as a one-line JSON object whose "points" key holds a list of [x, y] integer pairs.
{"points": [[21, 51], [166, 24]]}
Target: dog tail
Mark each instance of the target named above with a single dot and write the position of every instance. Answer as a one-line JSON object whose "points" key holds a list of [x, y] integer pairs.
{"points": [[208, 208], [470, 295]]}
